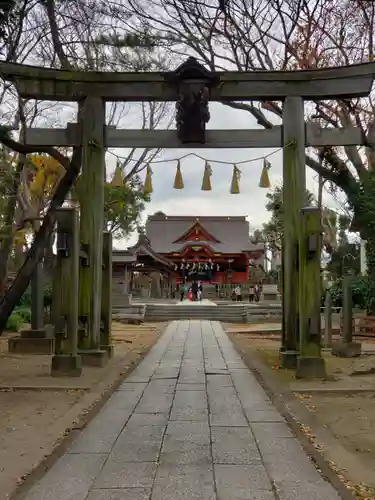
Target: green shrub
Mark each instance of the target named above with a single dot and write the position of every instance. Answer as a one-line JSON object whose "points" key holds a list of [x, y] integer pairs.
{"points": [[47, 296], [25, 300], [336, 293], [24, 312], [360, 291], [14, 323]]}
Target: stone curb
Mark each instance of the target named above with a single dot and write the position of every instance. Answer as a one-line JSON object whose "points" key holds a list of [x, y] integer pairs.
{"points": [[84, 419], [294, 413], [336, 392], [44, 388]]}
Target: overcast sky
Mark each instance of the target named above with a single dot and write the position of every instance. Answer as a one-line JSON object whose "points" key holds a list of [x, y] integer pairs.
{"points": [[193, 201]]}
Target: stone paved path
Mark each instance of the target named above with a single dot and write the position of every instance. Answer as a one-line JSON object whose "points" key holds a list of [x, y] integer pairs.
{"points": [[190, 423]]}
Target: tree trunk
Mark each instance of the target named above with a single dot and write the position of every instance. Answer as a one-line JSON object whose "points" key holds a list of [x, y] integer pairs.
{"points": [[6, 247], [370, 257], [49, 256], [363, 205], [36, 251]]}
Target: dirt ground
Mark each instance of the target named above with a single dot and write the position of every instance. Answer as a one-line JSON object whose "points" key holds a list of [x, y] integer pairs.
{"points": [[344, 403], [37, 411]]}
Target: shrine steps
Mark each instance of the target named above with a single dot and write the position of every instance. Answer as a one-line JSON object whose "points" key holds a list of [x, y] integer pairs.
{"points": [[226, 313]]}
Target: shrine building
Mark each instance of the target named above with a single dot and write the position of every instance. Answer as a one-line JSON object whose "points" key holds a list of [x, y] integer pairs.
{"points": [[215, 249]]}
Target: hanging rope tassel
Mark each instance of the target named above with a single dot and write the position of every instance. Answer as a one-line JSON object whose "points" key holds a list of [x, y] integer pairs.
{"points": [[147, 187], [235, 185], [264, 181], [178, 181], [117, 179], [206, 182]]}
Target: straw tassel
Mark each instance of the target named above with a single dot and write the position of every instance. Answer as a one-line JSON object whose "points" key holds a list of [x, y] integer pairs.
{"points": [[235, 185], [206, 182], [117, 180], [264, 181], [147, 187], [178, 181]]}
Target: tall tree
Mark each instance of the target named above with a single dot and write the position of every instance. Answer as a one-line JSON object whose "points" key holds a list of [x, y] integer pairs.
{"points": [[123, 207], [272, 231], [69, 35], [36, 251], [345, 259]]}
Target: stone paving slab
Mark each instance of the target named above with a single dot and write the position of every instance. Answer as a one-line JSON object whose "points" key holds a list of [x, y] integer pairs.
{"points": [[126, 475], [187, 482], [236, 481], [190, 405], [190, 423], [234, 445], [123, 494], [138, 444], [100, 435], [70, 478]]}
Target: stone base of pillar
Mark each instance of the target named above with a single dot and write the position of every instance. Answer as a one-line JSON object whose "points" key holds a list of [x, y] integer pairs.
{"points": [[310, 367], [94, 357], [110, 350], [32, 342], [65, 365], [35, 333], [344, 349], [288, 359]]}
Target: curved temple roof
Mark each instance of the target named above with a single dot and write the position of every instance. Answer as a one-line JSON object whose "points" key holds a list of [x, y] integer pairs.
{"points": [[232, 233], [143, 247]]}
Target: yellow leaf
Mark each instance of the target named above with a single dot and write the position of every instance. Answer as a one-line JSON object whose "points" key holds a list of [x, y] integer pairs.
{"points": [[37, 185], [20, 237]]}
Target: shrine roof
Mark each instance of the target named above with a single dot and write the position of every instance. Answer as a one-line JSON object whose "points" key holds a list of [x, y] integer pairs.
{"points": [[163, 231], [144, 247]]}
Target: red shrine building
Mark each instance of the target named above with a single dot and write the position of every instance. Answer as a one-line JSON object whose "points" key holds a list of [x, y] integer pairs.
{"points": [[215, 249]]}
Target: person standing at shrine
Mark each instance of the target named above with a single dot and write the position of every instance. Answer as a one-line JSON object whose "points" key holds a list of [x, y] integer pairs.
{"points": [[200, 290], [238, 293], [183, 290], [251, 293], [257, 292], [194, 289]]}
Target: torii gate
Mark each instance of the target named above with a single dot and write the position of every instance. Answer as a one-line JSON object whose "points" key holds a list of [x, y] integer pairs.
{"points": [[302, 227]]}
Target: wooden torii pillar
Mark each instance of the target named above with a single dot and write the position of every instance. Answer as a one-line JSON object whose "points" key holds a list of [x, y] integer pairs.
{"points": [[291, 88], [91, 198]]}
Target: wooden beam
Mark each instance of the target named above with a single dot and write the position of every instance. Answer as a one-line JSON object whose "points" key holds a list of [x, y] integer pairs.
{"points": [[167, 139], [50, 84]]}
